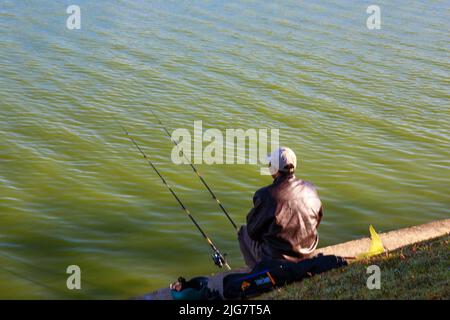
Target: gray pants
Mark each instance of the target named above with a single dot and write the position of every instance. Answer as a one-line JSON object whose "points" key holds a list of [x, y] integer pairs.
{"points": [[251, 250]]}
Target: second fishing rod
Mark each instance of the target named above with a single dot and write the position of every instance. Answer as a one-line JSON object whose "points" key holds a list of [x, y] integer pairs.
{"points": [[213, 195]]}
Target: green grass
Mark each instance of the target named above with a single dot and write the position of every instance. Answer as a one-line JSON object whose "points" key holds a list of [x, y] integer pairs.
{"points": [[419, 271]]}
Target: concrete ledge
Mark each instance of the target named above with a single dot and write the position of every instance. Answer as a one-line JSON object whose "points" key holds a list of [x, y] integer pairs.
{"points": [[391, 241]]}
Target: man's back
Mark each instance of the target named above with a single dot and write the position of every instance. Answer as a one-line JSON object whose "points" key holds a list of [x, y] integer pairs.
{"points": [[285, 218]]}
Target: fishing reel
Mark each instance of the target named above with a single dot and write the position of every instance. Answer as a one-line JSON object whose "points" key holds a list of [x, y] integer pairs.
{"points": [[219, 259]]}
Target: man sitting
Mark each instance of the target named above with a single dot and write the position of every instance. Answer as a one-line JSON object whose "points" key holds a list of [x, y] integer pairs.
{"points": [[285, 216]]}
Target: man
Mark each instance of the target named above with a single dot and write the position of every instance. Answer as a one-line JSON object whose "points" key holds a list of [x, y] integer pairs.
{"points": [[285, 216]]}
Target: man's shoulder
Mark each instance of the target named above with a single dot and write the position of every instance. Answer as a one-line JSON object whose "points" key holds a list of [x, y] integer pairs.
{"points": [[262, 192], [308, 187], [308, 184]]}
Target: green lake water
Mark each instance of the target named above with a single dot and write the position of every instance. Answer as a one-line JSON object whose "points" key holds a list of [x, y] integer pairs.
{"points": [[366, 111]]}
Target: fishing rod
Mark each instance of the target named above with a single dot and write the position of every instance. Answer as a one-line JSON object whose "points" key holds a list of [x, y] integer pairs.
{"points": [[196, 172], [218, 258]]}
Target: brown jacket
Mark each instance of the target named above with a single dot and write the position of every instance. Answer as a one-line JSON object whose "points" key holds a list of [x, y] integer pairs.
{"points": [[285, 218]]}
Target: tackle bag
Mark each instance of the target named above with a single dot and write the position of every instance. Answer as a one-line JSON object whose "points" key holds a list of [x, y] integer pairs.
{"points": [[270, 274]]}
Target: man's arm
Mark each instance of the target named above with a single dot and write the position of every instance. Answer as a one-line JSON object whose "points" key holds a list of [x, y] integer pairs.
{"points": [[320, 215], [257, 219], [313, 202]]}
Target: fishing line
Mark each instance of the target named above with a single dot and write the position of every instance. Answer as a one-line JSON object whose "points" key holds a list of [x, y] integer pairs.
{"points": [[40, 269], [26, 278]]}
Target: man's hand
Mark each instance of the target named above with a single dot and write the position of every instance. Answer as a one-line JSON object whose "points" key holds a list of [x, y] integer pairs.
{"points": [[239, 233]]}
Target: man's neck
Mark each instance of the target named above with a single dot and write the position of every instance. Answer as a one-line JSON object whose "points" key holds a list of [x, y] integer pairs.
{"points": [[282, 176]]}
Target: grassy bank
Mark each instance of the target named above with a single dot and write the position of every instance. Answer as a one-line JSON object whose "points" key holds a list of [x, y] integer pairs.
{"points": [[419, 271]]}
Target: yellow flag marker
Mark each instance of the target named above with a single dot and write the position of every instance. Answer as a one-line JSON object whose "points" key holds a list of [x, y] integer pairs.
{"points": [[376, 246]]}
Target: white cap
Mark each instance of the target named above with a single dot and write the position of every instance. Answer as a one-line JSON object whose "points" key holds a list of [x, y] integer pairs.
{"points": [[281, 159]]}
